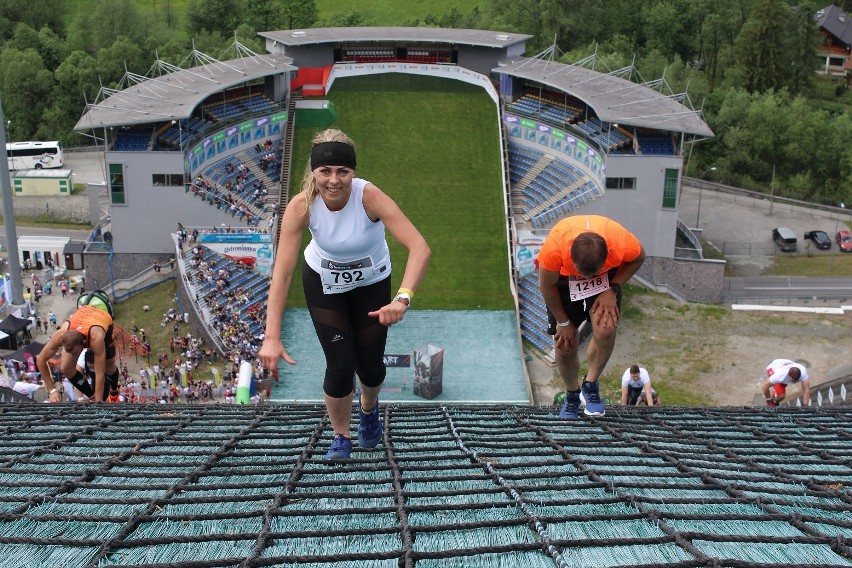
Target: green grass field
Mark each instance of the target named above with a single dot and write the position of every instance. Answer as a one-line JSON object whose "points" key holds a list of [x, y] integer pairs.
{"points": [[433, 146], [827, 263]]}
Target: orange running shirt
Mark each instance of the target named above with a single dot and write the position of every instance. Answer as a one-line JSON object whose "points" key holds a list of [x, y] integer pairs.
{"points": [[87, 317], [555, 253]]}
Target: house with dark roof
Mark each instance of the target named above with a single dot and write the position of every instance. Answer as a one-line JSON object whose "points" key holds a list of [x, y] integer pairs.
{"points": [[835, 49]]}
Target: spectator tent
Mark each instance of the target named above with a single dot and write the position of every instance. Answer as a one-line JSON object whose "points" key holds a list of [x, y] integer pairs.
{"points": [[15, 329]]}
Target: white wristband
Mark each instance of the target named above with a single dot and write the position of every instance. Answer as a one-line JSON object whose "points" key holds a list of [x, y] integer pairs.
{"points": [[564, 324], [53, 391]]}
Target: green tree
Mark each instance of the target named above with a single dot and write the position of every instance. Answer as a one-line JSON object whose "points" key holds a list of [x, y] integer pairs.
{"points": [[761, 46], [123, 55], [801, 47], [46, 42], [56, 124], [52, 48], [249, 38], [222, 16], [668, 29], [34, 13], [164, 11], [24, 37], [211, 43], [572, 23], [76, 84], [300, 14], [108, 20], [26, 86], [264, 15], [717, 25], [351, 19]]}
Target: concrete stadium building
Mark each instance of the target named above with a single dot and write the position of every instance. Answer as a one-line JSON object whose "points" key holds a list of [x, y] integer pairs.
{"points": [[574, 139]]}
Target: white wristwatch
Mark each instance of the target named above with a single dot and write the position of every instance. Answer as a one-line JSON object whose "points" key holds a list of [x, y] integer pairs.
{"points": [[404, 298]]}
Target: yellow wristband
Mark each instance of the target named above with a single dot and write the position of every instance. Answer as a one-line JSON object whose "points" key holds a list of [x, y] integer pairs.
{"points": [[408, 291]]}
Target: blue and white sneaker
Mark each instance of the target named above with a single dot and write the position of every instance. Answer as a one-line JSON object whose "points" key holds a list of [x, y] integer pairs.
{"points": [[570, 406], [340, 449], [590, 393], [370, 429]]}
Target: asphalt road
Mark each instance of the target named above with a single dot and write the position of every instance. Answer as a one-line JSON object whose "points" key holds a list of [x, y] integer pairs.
{"points": [[785, 289]]}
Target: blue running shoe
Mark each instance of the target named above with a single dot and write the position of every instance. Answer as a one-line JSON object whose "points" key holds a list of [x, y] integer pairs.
{"points": [[370, 429], [340, 449], [592, 398], [570, 406]]}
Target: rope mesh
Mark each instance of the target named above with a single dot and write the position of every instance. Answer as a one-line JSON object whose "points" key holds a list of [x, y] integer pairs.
{"points": [[223, 486]]}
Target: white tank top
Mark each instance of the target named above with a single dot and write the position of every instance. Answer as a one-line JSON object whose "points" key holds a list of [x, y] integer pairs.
{"points": [[347, 248]]}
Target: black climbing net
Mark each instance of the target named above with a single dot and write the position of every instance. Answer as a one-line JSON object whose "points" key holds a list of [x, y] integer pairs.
{"points": [[213, 485]]}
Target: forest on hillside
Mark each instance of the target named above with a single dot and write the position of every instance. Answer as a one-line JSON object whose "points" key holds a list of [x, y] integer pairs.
{"points": [[748, 65]]}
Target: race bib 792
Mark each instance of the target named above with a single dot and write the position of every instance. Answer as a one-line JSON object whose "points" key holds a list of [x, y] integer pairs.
{"points": [[337, 277]]}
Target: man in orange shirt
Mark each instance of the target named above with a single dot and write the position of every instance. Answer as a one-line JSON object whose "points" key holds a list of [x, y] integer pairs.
{"points": [[582, 265], [90, 326]]}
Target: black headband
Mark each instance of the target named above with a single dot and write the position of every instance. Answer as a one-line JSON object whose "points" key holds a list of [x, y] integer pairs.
{"points": [[332, 154]]}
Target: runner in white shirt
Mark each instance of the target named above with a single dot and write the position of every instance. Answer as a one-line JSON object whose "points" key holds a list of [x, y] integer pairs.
{"points": [[780, 373], [635, 385], [26, 387], [346, 281]]}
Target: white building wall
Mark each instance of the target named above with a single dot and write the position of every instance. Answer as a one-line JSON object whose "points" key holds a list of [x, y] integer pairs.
{"points": [[641, 210], [150, 214]]}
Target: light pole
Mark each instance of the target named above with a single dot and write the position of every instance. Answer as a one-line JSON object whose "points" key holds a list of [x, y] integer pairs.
{"points": [[700, 192]]}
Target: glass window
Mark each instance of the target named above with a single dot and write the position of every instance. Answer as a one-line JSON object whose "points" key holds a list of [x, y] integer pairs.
{"points": [[116, 184], [620, 183], [170, 180], [670, 189]]}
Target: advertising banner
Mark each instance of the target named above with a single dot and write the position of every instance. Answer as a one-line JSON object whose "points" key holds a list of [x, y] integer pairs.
{"points": [[251, 249], [397, 360], [5, 294], [527, 248]]}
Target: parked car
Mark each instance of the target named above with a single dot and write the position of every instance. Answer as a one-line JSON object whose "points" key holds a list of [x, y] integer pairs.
{"points": [[844, 240], [785, 238], [820, 239]]}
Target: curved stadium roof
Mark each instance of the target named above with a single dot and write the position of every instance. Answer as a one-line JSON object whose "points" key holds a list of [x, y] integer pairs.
{"points": [[614, 99], [175, 95], [316, 36]]}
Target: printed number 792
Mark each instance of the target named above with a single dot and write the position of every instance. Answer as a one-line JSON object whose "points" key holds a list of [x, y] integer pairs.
{"points": [[348, 277]]}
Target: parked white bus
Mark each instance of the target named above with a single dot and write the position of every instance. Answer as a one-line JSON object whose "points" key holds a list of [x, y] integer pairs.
{"points": [[34, 155]]}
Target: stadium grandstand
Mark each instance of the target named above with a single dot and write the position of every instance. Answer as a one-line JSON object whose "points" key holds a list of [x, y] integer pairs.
{"points": [[199, 165], [571, 135]]}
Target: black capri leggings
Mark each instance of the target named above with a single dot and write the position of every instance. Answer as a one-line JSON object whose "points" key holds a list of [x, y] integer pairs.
{"points": [[352, 341]]}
